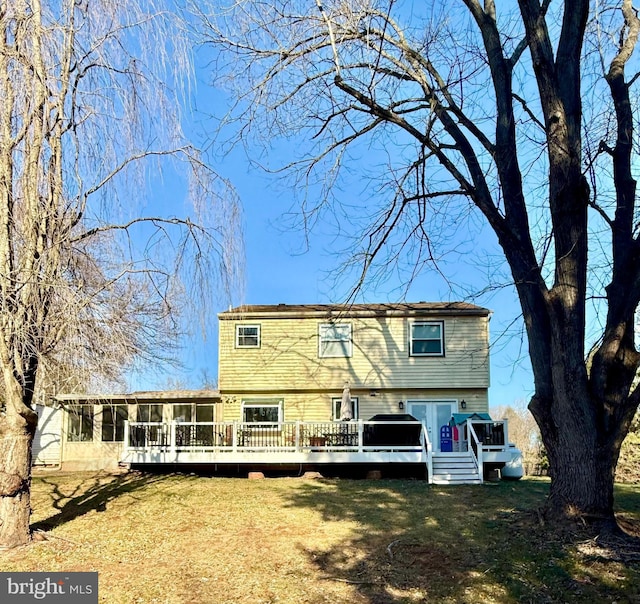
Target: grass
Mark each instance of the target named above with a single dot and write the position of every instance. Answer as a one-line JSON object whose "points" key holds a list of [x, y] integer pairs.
{"points": [[190, 539]]}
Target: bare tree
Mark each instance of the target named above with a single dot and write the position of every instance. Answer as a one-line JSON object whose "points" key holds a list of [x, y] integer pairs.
{"points": [[519, 113], [90, 276]]}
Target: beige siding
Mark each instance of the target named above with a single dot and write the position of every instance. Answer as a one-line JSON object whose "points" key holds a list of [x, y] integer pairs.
{"points": [[288, 358], [317, 406], [94, 454]]}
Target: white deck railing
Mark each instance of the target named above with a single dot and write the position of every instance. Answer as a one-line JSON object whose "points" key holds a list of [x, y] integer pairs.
{"points": [[357, 435], [299, 442]]}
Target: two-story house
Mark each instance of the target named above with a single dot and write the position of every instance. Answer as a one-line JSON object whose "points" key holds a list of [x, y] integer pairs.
{"points": [[291, 362], [315, 386]]}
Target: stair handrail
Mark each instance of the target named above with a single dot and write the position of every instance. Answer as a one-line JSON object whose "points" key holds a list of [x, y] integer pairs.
{"points": [[476, 451], [428, 449]]}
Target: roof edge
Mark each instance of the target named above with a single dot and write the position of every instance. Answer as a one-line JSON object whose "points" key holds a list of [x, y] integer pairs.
{"points": [[155, 395], [353, 310]]}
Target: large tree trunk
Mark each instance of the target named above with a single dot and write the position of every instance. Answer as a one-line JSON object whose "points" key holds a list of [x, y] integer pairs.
{"points": [[17, 430], [582, 481], [15, 479], [581, 458]]}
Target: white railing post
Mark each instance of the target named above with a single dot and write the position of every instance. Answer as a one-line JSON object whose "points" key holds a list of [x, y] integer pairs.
{"points": [[428, 449], [477, 456], [505, 432], [297, 443], [234, 433], [172, 438], [360, 436], [126, 443]]}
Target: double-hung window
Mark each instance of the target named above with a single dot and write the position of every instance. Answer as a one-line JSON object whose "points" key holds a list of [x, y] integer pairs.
{"points": [[335, 340], [426, 339], [247, 336]]}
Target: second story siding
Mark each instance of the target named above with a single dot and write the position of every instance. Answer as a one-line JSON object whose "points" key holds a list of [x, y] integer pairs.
{"points": [[311, 347]]}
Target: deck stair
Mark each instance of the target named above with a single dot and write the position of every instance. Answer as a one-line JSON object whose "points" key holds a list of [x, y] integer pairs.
{"points": [[455, 468]]}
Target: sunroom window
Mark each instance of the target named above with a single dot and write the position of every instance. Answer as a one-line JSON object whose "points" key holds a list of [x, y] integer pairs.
{"points": [[113, 420], [80, 425], [427, 338], [335, 340], [149, 412]]}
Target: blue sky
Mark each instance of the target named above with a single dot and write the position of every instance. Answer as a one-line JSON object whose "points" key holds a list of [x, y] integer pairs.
{"points": [[280, 270], [277, 272]]}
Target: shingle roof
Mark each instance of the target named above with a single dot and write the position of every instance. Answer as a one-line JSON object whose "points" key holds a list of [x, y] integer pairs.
{"points": [[354, 310]]}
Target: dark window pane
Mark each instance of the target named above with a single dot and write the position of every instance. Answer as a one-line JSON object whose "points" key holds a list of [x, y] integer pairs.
{"points": [[80, 423], [113, 418], [183, 413], [261, 414], [107, 423], [149, 413], [427, 347], [204, 413]]}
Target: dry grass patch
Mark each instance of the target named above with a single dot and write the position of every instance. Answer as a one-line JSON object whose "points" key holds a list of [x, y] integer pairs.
{"points": [[189, 539]]}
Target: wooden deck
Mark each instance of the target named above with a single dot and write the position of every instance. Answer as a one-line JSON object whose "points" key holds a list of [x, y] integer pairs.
{"points": [[296, 443]]}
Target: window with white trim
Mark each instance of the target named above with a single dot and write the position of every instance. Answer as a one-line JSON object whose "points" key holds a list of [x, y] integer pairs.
{"points": [[247, 336], [335, 340], [255, 411], [426, 338], [337, 404]]}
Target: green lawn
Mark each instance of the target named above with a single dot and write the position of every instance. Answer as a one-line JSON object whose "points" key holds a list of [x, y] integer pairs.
{"points": [[190, 539]]}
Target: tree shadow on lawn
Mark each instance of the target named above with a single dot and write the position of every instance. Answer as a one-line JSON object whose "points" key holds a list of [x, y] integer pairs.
{"points": [[423, 543], [88, 495]]}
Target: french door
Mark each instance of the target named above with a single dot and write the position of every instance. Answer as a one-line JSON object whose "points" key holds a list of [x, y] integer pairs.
{"points": [[434, 414]]}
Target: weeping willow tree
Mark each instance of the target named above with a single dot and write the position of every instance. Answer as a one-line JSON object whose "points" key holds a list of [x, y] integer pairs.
{"points": [[518, 114], [93, 272]]}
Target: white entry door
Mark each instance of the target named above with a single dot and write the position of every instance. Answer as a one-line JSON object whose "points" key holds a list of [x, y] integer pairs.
{"points": [[434, 414]]}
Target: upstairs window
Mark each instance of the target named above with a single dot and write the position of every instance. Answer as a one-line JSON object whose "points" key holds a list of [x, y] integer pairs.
{"points": [[247, 336], [426, 339], [335, 340]]}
